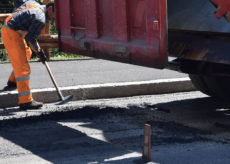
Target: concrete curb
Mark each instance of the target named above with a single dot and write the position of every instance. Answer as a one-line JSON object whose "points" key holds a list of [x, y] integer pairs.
{"points": [[99, 91]]}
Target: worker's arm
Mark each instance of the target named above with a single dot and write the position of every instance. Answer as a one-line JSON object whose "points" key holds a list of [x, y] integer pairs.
{"points": [[34, 48], [42, 56], [38, 23], [39, 52], [33, 32]]}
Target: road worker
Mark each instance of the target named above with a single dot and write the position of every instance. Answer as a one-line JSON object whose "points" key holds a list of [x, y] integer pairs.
{"points": [[19, 35]]}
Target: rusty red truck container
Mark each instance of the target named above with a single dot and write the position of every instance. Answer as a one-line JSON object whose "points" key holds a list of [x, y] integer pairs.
{"points": [[195, 33]]}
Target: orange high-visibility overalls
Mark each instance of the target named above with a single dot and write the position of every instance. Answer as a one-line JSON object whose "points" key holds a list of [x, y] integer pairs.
{"points": [[19, 54]]}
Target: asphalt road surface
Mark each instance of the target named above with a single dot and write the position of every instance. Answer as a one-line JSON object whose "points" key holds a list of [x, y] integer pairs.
{"points": [[85, 72], [185, 128]]}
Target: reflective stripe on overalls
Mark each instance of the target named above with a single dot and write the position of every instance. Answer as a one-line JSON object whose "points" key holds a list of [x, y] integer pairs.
{"points": [[19, 54]]}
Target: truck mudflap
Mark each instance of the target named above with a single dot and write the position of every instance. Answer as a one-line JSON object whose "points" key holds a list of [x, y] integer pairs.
{"points": [[129, 31]]}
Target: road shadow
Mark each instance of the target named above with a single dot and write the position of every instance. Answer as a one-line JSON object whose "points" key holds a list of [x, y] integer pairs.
{"points": [[60, 141], [63, 141], [210, 114], [8, 89]]}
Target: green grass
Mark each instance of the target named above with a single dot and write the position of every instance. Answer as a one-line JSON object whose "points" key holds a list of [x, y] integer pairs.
{"points": [[57, 56]]}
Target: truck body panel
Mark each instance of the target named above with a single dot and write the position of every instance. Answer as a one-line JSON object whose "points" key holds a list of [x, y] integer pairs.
{"points": [[145, 32], [129, 31]]}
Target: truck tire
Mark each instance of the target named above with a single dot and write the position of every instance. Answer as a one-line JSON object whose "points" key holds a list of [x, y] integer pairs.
{"points": [[220, 86], [201, 85]]}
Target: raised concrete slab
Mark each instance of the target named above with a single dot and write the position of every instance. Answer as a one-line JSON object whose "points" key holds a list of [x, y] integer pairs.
{"points": [[94, 79], [99, 91]]}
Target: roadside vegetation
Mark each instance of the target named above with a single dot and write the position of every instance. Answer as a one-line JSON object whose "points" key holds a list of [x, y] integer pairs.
{"points": [[6, 6]]}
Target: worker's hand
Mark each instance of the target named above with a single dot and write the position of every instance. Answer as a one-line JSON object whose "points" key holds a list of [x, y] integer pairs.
{"points": [[42, 56]]}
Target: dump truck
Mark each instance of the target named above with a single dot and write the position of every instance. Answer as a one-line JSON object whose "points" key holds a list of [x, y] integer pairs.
{"points": [[196, 33]]}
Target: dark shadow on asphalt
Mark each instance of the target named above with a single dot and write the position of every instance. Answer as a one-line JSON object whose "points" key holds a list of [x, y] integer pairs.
{"points": [[38, 142], [210, 108], [12, 111], [8, 89], [7, 113]]}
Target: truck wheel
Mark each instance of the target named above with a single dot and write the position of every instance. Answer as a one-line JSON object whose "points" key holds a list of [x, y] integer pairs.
{"points": [[220, 86], [201, 85]]}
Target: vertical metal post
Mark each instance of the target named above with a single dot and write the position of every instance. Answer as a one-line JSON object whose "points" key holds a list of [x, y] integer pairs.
{"points": [[147, 143], [146, 155]]}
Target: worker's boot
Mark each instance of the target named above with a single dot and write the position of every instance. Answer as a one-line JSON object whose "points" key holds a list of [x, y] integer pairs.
{"points": [[31, 105], [11, 84]]}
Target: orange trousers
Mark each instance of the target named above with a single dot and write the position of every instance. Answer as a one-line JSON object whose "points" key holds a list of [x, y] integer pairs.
{"points": [[19, 54]]}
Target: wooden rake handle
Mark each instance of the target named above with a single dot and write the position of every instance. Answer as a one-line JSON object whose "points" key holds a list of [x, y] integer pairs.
{"points": [[54, 82]]}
